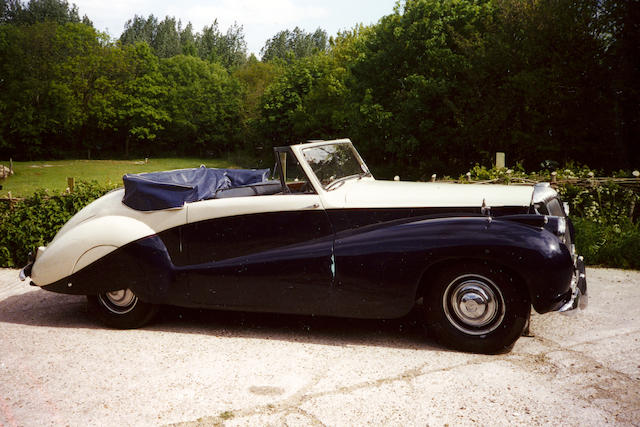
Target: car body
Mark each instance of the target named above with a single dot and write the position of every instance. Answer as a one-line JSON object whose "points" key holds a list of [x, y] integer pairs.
{"points": [[325, 238]]}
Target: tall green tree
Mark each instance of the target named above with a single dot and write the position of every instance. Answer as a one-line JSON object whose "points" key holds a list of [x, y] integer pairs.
{"points": [[140, 29], [130, 108], [162, 36], [545, 86], [203, 103], [229, 49], [619, 27], [166, 42], [188, 41], [141, 114], [255, 76], [289, 45], [414, 82], [307, 101], [59, 11], [44, 79]]}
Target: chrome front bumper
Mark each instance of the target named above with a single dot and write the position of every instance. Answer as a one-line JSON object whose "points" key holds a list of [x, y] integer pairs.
{"points": [[579, 298]]}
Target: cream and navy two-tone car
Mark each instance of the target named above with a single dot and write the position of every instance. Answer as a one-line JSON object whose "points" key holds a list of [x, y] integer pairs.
{"points": [[325, 238]]}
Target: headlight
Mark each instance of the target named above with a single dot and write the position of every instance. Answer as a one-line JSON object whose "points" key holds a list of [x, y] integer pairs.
{"points": [[562, 227], [558, 226]]}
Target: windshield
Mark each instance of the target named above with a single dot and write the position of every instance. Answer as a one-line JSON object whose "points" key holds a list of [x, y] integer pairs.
{"points": [[334, 163]]}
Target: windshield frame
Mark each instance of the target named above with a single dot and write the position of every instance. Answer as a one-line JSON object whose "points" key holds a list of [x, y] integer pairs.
{"points": [[299, 152]]}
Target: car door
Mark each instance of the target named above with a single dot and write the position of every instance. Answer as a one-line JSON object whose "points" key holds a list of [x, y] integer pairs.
{"points": [[263, 253]]}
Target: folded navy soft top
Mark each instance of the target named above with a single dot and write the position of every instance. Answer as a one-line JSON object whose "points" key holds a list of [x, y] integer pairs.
{"points": [[172, 189]]}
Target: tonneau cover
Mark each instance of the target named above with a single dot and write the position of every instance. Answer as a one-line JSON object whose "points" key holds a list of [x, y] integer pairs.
{"points": [[172, 189]]}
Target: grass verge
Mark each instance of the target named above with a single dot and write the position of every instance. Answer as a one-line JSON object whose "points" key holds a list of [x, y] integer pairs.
{"points": [[52, 175]]}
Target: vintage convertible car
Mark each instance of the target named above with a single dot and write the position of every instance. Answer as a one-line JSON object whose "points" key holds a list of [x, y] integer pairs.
{"points": [[324, 238]]}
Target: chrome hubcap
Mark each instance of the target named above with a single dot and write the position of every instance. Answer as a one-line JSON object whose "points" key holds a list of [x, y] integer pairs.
{"points": [[119, 302], [473, 304]]}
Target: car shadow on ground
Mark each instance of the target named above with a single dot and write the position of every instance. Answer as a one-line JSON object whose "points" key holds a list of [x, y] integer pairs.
{"points": [[47, 309]]}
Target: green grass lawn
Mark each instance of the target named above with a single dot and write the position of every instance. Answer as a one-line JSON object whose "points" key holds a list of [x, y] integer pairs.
{"points": [[52, 175]]}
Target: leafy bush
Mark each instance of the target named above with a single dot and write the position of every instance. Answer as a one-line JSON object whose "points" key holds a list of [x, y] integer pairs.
{"points": [[607, 203], [611, 245], [34, 221], [504, 175]]}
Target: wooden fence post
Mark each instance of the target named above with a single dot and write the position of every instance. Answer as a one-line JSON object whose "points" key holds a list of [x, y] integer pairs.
{"points": [[70, 183]]}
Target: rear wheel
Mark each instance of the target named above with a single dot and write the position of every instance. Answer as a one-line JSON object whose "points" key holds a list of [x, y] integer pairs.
{"points": [[476, 307], [121, 309]]}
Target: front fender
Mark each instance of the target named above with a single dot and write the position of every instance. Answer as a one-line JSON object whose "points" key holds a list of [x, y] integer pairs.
{"points": [[394, 258], [85, 244]]}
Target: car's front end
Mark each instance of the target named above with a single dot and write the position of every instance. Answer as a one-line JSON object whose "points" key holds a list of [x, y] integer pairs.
{"points": [[546, 202]]}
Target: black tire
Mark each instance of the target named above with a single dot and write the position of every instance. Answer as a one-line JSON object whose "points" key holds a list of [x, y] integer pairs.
{"points": [[476, 307], [121, 309]]}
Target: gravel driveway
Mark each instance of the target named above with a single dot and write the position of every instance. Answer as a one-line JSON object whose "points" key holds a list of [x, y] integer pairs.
{"points": [[57, 367]]}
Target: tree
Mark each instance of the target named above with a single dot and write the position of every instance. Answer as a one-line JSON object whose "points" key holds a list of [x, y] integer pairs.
{"points": [[139, 29], [620, 30], [59, 11], [546, 89], [414, 84], [203, 101], [188, 41], [166, 42], [306, 101], [229, 50], [289, 45], [134, 110], [43, 85], [255, 76]]}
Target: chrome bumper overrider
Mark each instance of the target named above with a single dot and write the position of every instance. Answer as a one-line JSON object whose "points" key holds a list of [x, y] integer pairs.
{"points": [[579, 298], [26, 272]]}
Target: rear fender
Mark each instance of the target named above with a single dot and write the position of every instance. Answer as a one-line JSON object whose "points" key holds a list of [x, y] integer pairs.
{"points": [[83, 245]]}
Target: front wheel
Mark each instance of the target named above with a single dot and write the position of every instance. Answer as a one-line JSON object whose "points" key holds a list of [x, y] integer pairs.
{"points": [[121, 309], [476, 307]]}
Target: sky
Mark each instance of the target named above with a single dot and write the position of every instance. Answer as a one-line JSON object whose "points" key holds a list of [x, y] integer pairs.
{"points": [[261, 19]]}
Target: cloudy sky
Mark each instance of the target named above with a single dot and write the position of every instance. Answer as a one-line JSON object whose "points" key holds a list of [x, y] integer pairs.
{"points": [[261, 19]]}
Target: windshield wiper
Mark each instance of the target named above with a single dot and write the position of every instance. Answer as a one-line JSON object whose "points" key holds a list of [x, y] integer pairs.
{"points": [[332, 185]]}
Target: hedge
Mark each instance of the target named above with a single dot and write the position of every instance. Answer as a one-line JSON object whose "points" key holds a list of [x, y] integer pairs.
{"points": [[31, 222]]}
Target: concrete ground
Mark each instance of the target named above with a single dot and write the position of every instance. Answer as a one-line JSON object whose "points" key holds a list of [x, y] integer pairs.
{"points": [[58, 367]]}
